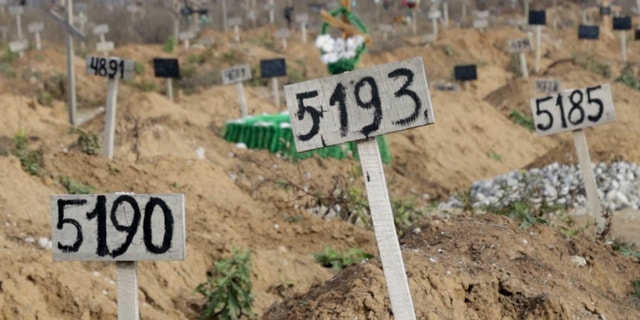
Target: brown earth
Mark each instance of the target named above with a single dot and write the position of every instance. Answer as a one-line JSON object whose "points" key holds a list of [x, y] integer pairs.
{"points": [[459, 266]]}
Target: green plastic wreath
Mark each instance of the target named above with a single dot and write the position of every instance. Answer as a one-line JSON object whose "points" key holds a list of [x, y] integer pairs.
{"points": [[345, 64]]}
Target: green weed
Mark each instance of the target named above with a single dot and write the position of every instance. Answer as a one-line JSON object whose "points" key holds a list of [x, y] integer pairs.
{"points": [[31, 160], [228, 289], [75, 187], [87, 141], [522, 119], [169, 45], [338, 261]]}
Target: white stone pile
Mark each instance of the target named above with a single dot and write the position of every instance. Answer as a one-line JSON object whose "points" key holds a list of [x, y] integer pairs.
{"points": [[557, 185]]}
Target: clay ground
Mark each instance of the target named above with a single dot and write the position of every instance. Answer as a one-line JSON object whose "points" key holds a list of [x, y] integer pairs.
{"points": [[460, 265]]}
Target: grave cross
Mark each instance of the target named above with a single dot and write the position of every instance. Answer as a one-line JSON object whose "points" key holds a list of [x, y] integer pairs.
{"points": [[17, 11], [103, 46], [36, 27]]}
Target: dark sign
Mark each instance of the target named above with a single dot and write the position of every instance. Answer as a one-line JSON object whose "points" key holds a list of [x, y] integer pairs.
{"points": [[465, 72], [166, 68], [588, 32], [637, 34], [605, 11], [186, 11], [621, 23], [273, 68], [538, 18]]}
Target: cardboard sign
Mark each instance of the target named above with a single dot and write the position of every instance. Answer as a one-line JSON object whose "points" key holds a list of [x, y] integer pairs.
{"points": [[621, 23], [110, 67], [35, 27], [573, 109], [519, 45], [537, 18], [273, 68], [166, 68], [100, 29], [588, 32], [359, 104], [117, 227], [465, 72], [18, 45], [236, 74]]}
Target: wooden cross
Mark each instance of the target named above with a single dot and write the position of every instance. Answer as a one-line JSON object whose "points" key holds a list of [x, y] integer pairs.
{"points": [[344, 24]]}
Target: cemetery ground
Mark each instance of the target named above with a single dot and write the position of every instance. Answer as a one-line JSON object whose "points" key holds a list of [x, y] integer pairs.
{"points": [[461, 264]]}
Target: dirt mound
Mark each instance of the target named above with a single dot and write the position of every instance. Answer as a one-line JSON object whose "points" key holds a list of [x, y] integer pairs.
{"points": [[483, 267]]}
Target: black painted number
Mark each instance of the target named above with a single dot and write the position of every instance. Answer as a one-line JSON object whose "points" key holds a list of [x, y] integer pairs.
{"points": [[104, 67], [127, 223], [574, 114], [366, 95]]}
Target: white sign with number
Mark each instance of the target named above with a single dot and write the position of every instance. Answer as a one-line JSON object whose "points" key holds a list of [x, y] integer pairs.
{"points": [[302, 18], [236, 74], [573, 109], [282, 33], [519, 45], [18, 45], [118, 227], [359, 104], [101, 29], [480, 24], [16, 10], [111, 67], [548, 86], [105, 46], [35, 27], [234, 22], [433, 15]]}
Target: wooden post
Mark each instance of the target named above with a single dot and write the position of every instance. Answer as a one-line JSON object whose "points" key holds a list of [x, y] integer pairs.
{"points": [[271, 12], [523, 65], [170, 89], [382, 218], [593, 201], [236, 31], [276, 91], [538, 49], [623, 41], [414, 21], [224, 16], [243, 100], [71, 73], [445, 12], [110, 124], [128, 307], [464, 9], [303, 26]]}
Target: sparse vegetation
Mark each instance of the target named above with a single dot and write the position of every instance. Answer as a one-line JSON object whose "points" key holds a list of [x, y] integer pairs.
{"points": [[625, 248], [75, 187], [228, 289], [169, 45], [331, 258], [87, 141], [493, 155], [31, 160], [590, 63], [522, 119]]}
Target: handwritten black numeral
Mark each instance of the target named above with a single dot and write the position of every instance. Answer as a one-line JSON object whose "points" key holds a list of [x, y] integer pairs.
{"points": [[62, 221], [576, 105], [94, 65], [168, 226], [313, 113], [100, 212], [339, 96], [129, 229], [539, 111], [597, 101], [374, 103], [102, 67], [403, 91], [113, 68]]}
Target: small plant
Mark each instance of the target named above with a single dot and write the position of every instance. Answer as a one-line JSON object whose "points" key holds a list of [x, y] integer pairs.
{"points": [[569, 226], [228, 289], [231, 57], [590, 63], [338, 261], [447, 50], [522, 119], [626, 249], [636, 288], [169, 45], [493, 155], [139, 68], [45, 98], [87, 141], [31, 160], [405, 213], [75, 187]]}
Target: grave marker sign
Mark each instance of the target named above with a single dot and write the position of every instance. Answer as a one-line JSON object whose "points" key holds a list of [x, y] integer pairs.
{"points": [[169, 69], [238, 74], [35, 28], [274, 68]]}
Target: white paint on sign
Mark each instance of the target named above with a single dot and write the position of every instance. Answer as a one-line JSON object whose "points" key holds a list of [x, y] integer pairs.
{"points": [[433, 15], [481, 14], [282, 33], [35, 27], [117, 227], [519, 45], [105, 46], [186, 35], [101, 29], [302, 17], [480, 24], [359, 104], [16, 10], [548, 86], [18, 45], [573, 109], [110, 67], [236, 74], [234, 22]]}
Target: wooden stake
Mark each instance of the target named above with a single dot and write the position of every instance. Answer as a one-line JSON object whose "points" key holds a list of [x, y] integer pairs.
{"points": [[384, 228], [236, 31], [243, 100], [523, 65], [593, 201], [224, 16], [445, 13], [271, 12], [538, 45], [304, 32], [128, 307], [71, 73], [276, 92], [110, 123], [414, 21], [170, 89], [623, 41]]}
